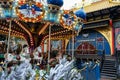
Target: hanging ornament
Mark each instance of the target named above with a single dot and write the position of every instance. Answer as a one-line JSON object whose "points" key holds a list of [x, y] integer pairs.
{"points": [[30, 11], [21, 2]]}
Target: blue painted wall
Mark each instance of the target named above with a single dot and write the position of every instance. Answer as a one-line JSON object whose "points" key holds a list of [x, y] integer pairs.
{"points": [[90, 71], [93, 37]]}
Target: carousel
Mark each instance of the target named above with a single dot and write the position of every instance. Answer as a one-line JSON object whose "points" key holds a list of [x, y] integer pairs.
{"points": [[31, 60]]}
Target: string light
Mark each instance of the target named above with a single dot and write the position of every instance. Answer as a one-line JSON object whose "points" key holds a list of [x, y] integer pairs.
{"points": [[53, 35], [30, 35]]}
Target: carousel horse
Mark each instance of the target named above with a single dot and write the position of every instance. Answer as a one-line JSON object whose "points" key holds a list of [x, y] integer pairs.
{"points": [[8, 74], [14, 50], [74, 75], [53, 61], [65, 70], [24, 72], [12, 55], [25, 67], [61, 70], [24, 55], [43, 75], [38, 54], [92, 68], [40, 72]]}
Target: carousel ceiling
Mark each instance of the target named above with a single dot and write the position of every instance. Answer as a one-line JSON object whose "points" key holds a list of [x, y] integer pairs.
{"points": [[31, 19]]}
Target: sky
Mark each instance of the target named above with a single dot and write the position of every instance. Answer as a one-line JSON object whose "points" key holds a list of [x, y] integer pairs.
{"points": [[68, 4]]}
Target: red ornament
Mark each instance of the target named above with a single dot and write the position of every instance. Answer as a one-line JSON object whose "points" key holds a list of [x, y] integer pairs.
{"points": [[33, 11], [21, 2], [66, 12], [8, 19], [111, 22], [18, 58], [39, 4], [40, 54], [31, 55]]}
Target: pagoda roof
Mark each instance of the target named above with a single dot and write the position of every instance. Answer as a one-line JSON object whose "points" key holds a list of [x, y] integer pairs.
{"points": [[103, 4]]}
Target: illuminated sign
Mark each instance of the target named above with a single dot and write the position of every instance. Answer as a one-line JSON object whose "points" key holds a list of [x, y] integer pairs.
{"points": [[86, 40], [115, 1], [85, 35]]}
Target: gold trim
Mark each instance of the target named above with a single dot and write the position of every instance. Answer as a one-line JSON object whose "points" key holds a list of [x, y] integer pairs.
{"points": [[60, 37], [6, 33], [97, 21], [51, 5], [43, 28], [116, 20], [96, 26], [107, 33], [103, 4], [27, 19], [115, 2], [69, 27]]}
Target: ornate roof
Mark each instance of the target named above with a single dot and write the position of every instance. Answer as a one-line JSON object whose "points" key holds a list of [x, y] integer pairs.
{"points": [[99, 6]]}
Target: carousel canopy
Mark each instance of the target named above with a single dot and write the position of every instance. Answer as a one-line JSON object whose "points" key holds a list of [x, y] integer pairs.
{"points": [[39, 30]]}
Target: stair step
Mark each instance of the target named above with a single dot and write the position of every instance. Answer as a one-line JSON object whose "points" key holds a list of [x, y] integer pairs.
{"points": [[109, 56], [109, 72], [109, 75], [109, 62], [108, 78], [109, 67], [109, 59]]}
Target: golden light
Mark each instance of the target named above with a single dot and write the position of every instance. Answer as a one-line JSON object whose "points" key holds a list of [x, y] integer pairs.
{"points": [[30, 35], [66, 11], [39, 4]]}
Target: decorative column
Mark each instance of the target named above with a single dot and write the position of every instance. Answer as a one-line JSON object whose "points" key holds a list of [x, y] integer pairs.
{"points": [[113, 37], [9, 37], [49, 48], [73, 44]]}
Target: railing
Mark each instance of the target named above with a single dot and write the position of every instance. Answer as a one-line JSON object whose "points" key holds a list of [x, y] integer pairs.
{"points": [[1, 55], [94, 57], [102, 60], [117, 56], [89, 52]]}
